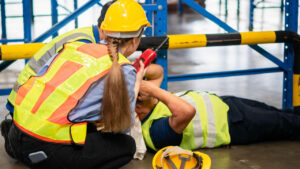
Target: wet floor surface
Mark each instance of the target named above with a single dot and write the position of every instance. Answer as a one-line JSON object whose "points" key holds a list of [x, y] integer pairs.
{"points": [[265, 87]]}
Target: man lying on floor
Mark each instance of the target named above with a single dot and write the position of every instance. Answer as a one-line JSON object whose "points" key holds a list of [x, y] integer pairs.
{"points": [[203, 120]]}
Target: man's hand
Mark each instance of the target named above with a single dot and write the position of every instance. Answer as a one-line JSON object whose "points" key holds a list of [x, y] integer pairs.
{"points": [[147, 89]]}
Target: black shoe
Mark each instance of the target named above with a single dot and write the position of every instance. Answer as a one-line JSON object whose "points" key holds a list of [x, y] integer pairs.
{"points": [[5, 126]]}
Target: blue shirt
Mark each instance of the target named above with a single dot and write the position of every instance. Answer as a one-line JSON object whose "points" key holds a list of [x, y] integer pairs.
{"points": [[162, 134], [88, 108]]}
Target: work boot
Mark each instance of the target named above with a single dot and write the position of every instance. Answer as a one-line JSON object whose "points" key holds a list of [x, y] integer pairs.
{"points": [[5, 126]]}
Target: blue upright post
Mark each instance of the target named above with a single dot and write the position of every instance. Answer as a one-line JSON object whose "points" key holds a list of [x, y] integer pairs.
{"points": [[251, 15], [282, 5], [27, 7], [54, 14], [161, 30], [75, 7], [238, 8], [220, 7], [149, 14], [27, 19], [180, 7], [226, 8], [291, 24], [3, 22]]}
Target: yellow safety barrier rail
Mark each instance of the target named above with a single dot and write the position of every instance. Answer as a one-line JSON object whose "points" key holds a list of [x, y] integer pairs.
{"points": [[26, 51]]}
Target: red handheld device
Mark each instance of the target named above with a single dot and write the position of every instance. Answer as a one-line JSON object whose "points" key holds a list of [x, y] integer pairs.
{"points": [[147, 56]]}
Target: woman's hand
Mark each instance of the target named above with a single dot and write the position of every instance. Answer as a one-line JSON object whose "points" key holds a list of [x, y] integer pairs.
{"points": [[139, 78]]}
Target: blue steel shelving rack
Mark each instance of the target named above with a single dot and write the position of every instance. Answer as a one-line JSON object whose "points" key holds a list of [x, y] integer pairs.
{"points": [[157, 14], [156, 11], [291, 23], [257, 5]]}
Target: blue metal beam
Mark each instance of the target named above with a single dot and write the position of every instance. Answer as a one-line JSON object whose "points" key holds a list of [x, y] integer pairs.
{"points": [[180, 7], [75, 8], [27, 18], [3, 22], [99, 4], [251, 14], [160, 29], [270, 57], [226, 27], [5, 64], [223, 74], [54, 14], [5, 92], [65, 21], [208, 15], [4, 41], [56, 27], [150, 7], [149, 14]]}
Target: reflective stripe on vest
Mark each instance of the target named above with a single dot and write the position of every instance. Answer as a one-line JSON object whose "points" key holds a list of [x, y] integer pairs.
{"points": [[209, 127], [197, 122], [43, 103], [43, 55], [211, 124]]}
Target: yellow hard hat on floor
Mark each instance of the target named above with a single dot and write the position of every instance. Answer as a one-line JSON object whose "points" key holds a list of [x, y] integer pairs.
{"points": [[174, 157], [124, 16]]}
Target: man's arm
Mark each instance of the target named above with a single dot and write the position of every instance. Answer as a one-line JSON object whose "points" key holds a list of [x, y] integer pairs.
{"points": [[182, 111]]}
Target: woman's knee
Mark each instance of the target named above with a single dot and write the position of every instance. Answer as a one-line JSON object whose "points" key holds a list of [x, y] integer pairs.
{"points": [[129, 143]]}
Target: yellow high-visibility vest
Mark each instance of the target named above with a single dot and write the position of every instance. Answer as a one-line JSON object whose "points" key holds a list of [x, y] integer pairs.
{"points": [[43, 103], [43, 55], [209, 127]]}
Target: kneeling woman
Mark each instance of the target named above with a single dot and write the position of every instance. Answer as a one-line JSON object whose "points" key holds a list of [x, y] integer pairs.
{"points": [[195, 120], [84, 86]]}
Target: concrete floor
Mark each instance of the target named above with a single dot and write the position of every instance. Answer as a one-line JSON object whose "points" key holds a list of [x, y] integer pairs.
{"points": [[265, 87]]}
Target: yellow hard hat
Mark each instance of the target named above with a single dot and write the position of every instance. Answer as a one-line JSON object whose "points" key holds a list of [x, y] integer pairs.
{"points": [[125, 16], [174, 157]]}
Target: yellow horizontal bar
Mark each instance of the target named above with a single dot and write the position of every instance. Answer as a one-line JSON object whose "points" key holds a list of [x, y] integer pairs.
{"points": [[22, 51], [25, 51], [251, 38], [186, 41]]}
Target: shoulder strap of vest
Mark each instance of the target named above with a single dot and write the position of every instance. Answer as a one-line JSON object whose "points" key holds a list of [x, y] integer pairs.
{"points": [[184, 93]]}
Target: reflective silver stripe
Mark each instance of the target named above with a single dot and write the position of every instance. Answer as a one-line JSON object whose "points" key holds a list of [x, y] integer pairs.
{"points": [[37, 65], [198, 131], [211, 124], [178, 94], [15, 88], [34, 65], [70, 37]]}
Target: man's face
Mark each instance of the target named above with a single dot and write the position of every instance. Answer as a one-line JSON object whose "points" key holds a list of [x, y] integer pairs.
{"points": [[143, 106]]}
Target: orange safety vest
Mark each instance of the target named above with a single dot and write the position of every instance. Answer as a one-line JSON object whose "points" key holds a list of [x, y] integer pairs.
{"points": [[43, 103]]}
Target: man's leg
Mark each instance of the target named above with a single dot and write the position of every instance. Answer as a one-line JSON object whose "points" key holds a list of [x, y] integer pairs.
{"points": [[251, 121]]}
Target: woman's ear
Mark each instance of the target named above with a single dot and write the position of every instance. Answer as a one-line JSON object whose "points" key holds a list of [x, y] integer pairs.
{"points": [[136, 42]]}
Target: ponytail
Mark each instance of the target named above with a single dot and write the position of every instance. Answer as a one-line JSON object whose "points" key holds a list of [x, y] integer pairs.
{"points": [[115, 108]]}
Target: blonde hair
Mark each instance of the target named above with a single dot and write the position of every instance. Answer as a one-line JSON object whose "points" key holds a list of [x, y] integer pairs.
{"points": [[115, 108]]}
